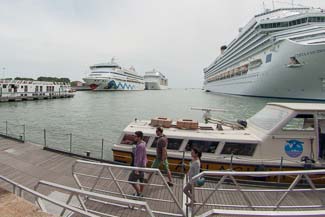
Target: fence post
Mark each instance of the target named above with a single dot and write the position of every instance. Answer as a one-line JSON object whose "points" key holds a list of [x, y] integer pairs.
{"points": [[102, 157], [70, 142], [24, 133], [6, 128], [44, 138]]}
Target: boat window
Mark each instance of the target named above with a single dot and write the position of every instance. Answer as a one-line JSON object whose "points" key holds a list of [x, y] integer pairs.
{"points": [[128, 139], [246, 149], [203, 146], [268, 118], [4, 86], [300, 122], [173, 144]]}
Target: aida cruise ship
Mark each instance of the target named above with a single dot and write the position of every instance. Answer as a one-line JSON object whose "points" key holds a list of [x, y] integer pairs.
{"points": [[279, 53], [111, 76]]}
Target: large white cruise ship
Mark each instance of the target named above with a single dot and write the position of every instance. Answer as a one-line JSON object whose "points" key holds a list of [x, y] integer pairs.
{"points": [[279, 53], [111, 76], [155, 80]]}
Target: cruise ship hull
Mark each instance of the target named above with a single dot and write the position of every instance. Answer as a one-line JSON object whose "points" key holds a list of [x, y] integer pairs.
{"points": [[278, 78], [113, 84], [155, 86]]}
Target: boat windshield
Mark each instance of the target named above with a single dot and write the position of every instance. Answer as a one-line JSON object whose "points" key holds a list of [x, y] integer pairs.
{"points": [[268, 117]]}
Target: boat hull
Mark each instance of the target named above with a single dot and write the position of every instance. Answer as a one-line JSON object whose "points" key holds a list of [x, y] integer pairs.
{"points": [[113, 84], [277, 78], [155, 86], [176, 165]]}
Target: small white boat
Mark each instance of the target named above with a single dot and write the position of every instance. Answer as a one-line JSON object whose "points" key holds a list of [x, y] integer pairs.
{"points": [[282, 136]]}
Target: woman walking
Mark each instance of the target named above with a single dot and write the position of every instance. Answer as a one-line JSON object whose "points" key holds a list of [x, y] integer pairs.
{"points": [[195, 166]]}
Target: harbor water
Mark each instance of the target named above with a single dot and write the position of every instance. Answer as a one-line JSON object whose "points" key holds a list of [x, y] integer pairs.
{"points": [[93, 121]]}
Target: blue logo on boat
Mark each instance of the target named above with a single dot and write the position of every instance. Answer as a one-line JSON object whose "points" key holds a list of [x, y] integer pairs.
{"points": [[294, 148], [112, 85]]}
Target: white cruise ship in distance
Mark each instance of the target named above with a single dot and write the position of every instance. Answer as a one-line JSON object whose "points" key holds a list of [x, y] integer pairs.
{"points": [[111, 76], [155, 80], [279, 53]]}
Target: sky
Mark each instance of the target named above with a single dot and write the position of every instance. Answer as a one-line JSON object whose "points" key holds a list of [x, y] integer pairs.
{"points": [[62, 38]]}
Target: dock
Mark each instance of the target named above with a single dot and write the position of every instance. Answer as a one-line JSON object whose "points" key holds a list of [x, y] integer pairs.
{"points": [[23, 97], [58, 176]]}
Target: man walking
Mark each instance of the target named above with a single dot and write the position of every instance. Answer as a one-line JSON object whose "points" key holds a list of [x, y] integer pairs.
{"points": [[140, 160], [161, 157]]}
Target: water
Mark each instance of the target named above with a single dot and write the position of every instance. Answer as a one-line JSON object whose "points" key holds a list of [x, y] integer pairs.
{"points": [[93, 116]]}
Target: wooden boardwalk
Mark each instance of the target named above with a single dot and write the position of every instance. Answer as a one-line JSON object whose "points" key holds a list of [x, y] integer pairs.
{"points": [[27, 163]]}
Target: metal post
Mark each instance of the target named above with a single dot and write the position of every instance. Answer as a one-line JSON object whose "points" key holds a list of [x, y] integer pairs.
{"points": [[231, 157], [6, 128], [44, 137], [281, 165], [102, 157], [70, 142], [24, 133], [183, 162]]}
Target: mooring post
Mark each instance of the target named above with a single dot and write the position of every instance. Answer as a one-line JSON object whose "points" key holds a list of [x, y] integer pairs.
{"points": [[44, 138], [6, 128], [70, 142], [24, 132], [102, 157]]}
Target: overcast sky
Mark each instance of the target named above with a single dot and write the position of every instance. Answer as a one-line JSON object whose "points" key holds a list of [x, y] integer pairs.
{"points": [[62, 38]]}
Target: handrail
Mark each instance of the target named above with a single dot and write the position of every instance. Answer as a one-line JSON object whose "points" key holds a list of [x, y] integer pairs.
{"points": [[249, 213], [88, 195], [114, 180], [273, 206], [39, 195]]}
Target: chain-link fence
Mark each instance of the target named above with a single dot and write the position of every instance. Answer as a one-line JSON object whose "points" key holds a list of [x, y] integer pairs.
{"points": [[59, 140]]}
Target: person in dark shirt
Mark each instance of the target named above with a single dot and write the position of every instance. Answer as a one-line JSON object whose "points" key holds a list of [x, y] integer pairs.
{"points": [[161, 157]]}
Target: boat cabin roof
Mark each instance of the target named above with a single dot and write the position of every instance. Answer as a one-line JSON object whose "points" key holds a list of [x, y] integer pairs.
{"points": [[205, 132], [317, 107]]}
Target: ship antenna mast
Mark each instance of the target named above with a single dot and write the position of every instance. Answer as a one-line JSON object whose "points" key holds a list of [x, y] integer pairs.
{"points": [[273, 4]]}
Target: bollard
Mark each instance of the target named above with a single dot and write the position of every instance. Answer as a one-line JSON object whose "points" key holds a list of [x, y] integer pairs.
{"points": [[102, 157], [87, 153], [70, 142], [44, 138], [24, 134], [6, 128]]}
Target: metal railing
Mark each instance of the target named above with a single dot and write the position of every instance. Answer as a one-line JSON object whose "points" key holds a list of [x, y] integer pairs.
{"points": [[84, 196], [19, 190], [59, 140], [302, 192], [117, 184], [248, 213]]}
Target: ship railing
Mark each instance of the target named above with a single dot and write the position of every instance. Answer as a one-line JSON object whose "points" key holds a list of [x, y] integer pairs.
{"points": [[22, 191], [228, 190], [91, 176], [79, 199]]}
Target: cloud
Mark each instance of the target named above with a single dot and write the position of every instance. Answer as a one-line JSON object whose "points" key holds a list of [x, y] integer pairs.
{"points": [[62, 38]]}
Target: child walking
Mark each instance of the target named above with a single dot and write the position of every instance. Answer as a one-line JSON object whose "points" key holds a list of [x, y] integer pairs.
{"points": [[195, 166]]}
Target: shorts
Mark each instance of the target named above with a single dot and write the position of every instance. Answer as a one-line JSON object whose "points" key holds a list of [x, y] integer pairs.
{"points": [[135, 177], [156, 163]]}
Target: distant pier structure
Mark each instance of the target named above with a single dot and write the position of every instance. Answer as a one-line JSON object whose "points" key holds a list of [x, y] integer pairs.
{"points": [[22, 90]]}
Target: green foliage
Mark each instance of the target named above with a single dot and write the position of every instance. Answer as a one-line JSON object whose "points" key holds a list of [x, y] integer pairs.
{"points": [[54, 79], [28, 79]]}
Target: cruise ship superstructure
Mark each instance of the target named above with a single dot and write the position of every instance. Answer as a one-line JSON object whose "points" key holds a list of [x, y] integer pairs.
{"points": [[279, 53], [111, 76], [155, 80]]}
